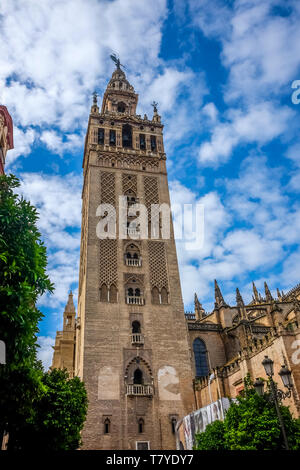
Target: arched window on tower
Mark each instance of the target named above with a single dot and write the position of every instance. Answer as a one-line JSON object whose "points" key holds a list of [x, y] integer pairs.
{"points": [[101, 136], [103, 293], [112, 137], [113, 294], [121, 107], [200, 354], [106, 426], [153, 143], [137, 292], [136, 326], [132, 256], [130, 292], [127, 136], [138, 376], [164, 296], [173, 425], [155, 295], [142, 142], [141, 425]]}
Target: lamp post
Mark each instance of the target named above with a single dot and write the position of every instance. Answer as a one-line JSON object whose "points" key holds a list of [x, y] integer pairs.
{"points": [[276, 394]]}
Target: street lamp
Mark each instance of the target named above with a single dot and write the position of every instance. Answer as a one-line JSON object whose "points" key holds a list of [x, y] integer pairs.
{"points": [[286, 377], [276, 394], [259, 387], [268, 366]]}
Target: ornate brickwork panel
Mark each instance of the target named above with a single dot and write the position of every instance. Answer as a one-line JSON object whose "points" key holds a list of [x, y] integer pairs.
{"points": [[107, 188], [157, 265], [151, 193], [128, 161], [108, 272], [139, 278], [129, 183]]}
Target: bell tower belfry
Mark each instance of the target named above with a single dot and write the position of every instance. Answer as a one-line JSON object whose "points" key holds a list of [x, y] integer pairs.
{"points": [[132, 347]]}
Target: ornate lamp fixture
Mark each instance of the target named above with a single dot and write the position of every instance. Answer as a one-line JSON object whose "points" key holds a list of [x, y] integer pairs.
{"points": [[276, 395]]}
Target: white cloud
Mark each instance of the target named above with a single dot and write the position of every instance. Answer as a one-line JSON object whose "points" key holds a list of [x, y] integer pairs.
{"points": [[164, 88], [261, 50], [259, 45], [45, 351], [260, 124], [58, 200], [56, 144], [266, 226], [23, 141]]}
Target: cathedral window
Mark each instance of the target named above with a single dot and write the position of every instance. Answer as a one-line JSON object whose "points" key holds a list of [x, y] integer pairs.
{"points": [[200, 354], [127, 136], [142, 142], [121, 107], [112, 137], [153, 143], [101, 136], [106, 426], [141, 425]]}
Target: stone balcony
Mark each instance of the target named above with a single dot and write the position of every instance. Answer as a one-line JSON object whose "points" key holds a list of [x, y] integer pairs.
{"points": [[133, 232], [133, 300], [133, 261], [137, 338], [139, 390]]}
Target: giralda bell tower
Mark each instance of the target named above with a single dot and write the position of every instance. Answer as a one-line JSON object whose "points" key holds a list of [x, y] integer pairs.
{"points": [[132, 347]]}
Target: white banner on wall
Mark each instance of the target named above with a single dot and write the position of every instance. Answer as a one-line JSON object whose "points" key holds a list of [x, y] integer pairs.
{"points": [[197, 421]]}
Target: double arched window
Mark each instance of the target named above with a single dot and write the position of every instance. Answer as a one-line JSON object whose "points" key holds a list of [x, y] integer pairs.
{"points": [[108, 294], [200, 354]]}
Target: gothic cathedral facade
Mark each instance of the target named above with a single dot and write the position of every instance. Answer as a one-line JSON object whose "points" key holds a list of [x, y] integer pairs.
{"points": [[132, 346]]}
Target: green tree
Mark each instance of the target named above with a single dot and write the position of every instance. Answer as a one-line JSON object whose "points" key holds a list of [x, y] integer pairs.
{"points": [[251, 423], [59, 414], [23, 279], [212, 438]]}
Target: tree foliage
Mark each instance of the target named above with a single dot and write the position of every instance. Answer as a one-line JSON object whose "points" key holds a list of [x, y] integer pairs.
{"points": [[59, 415], [212, 438], [251, 423], [31, 402], [23, 279]]}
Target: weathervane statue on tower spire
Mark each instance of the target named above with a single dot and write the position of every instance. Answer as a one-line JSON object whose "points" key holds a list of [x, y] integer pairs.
{"points": [[154, 104], [116, 60]]}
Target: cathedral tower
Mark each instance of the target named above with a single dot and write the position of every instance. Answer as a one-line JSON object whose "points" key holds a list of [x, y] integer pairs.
{"points": [[132, 346]]}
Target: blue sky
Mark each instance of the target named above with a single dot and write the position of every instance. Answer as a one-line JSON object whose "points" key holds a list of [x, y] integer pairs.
{"points": [[222, 73]]}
